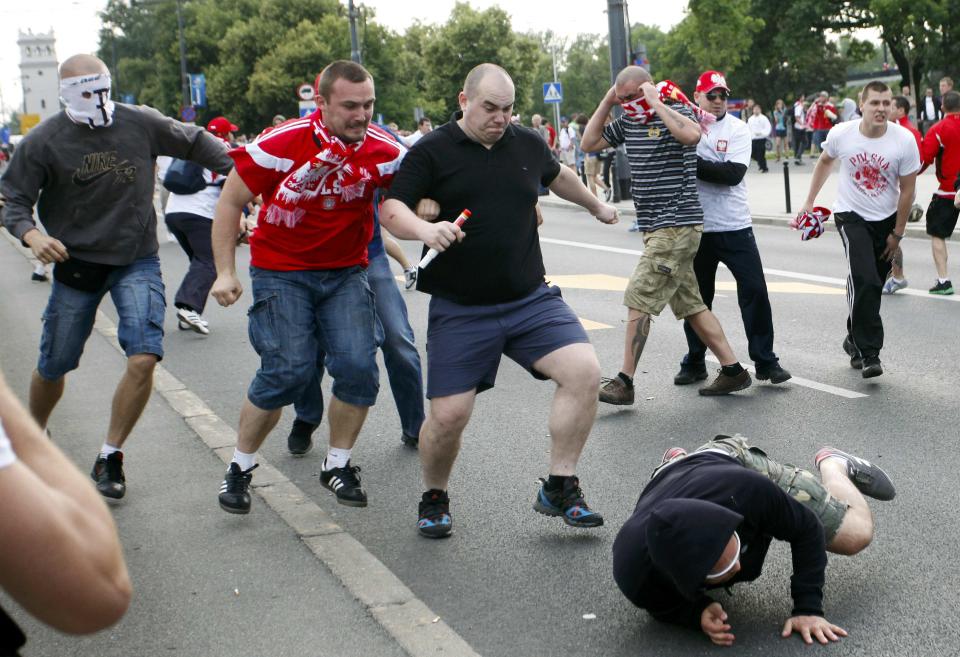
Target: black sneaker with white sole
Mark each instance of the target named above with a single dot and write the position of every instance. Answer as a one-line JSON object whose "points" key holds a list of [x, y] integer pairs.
{"points": [[345, 484], [869, 479], [235, 489]]}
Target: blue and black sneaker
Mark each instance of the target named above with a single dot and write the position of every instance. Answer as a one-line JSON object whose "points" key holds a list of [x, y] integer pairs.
{"points": [[567, 502], [435, 520]]}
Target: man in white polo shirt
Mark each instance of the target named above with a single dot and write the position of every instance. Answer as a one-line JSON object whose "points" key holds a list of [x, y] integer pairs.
{"points": [[723, 156], [879, 162]]}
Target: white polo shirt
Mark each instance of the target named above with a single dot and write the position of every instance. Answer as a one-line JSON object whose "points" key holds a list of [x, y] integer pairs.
{"points": [[870, 167], [725, 208]]}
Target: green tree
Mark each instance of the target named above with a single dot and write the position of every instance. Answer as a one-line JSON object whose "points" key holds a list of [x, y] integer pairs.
{"points": [[472, 37]]}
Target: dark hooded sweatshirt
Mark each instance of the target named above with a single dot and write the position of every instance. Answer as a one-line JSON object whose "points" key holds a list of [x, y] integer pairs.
{"points": [[675, 536], [93, 188]]}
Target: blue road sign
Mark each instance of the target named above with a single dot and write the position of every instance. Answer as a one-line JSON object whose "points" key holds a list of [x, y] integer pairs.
{"points": [[129, 99], [188, 113], [198, 90], [552, 92]]}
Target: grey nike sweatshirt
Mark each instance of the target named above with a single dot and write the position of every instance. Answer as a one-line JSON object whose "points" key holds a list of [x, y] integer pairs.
{"points": [[94, 188]]}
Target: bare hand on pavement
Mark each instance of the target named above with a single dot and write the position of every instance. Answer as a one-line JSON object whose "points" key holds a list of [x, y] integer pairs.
{"points": [[226, 289], [713, 622], [46, 249], [813, 627]]}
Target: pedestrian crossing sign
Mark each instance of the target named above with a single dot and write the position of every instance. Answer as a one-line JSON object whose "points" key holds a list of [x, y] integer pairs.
{"points": [[552, 92]]}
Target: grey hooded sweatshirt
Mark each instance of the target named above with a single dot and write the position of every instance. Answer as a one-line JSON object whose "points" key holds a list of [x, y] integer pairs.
{"points": [[93, 188]]}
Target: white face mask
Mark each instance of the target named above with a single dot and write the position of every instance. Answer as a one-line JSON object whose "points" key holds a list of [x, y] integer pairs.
{"points": [[87, 98]]}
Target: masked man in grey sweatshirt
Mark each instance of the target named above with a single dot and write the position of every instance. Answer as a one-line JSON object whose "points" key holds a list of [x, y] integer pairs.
{"points": [[89, 170]]}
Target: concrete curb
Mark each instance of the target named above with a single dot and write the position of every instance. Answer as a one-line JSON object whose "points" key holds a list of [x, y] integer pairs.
{"points": [[413, 625]]}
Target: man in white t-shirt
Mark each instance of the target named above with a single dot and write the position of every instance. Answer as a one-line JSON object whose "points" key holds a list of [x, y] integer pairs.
{"points": [[723, 156], [879, 162]]}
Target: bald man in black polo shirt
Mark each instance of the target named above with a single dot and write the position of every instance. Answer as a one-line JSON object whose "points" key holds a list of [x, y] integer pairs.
{"points": [[479, 161]]}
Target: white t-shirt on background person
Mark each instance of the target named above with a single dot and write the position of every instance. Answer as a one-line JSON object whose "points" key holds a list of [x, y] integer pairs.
{"points": [[725, 207], [870, 168]]}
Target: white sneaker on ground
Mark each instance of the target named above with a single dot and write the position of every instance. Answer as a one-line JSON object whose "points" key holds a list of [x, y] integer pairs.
{"points": [[409, 278], [190, 320], [894, 284]]}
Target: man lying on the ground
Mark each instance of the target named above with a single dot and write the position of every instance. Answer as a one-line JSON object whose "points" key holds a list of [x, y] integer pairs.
{"points": [[706, 520]]}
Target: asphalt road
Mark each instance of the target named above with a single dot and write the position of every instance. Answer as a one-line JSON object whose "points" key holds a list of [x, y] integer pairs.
{"points": [[512, 582]]}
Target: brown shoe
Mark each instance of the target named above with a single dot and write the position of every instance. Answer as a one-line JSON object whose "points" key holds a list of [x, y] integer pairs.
{"points": [[615, 391], [724, 385]]}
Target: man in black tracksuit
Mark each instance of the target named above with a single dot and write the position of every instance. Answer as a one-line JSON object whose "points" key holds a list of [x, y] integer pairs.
{"points": [[706, 520]]}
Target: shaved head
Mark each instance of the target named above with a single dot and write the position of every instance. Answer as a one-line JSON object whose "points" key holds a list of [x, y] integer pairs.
{"points": [[478, 74], [82, 65], [633, 74]]}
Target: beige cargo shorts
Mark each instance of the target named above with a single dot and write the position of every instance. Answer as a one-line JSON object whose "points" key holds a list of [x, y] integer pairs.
{"points": [[665, 275]]}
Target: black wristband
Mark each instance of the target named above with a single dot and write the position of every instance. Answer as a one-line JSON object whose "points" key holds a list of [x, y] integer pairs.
{"points": [[898, 236]]}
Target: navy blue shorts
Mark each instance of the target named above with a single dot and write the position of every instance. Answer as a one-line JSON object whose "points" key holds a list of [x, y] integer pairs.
{"points": [[465, 343]]}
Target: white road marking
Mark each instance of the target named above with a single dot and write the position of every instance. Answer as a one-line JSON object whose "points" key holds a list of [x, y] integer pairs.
{"points": [[772, 272], [807, 383]]}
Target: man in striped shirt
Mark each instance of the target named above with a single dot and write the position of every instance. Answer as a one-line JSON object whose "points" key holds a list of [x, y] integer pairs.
{"points": [[662, 149]]}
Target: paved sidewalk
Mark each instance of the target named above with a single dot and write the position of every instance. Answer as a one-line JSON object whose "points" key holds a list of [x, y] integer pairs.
{"points": [[206, 583], [767, 199]]}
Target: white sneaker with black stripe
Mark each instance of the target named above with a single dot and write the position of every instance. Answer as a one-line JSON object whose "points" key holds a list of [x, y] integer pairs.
{"points": [[345, 484], [190, 320]]}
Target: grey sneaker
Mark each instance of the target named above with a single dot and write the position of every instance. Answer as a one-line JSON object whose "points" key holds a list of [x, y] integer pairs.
{"points": [[869, 479], [615, 391], [894, 284], [724, 385]]}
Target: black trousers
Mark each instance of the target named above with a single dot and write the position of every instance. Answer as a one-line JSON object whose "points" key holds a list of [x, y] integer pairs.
{"points": [[759, 152], [737, 249], [863, 242], [193, 233]]}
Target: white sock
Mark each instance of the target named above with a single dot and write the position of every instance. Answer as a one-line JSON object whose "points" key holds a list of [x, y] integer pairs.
{"points": [[244, 460], [942, 280], [336, 458], [107, 450]]}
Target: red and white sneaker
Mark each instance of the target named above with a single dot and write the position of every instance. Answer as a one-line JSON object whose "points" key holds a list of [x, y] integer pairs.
{"points": [[672, 454]]}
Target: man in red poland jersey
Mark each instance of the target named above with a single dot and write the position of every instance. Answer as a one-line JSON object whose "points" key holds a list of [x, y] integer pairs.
{"points": [[317, 176], [941, 147], [878, 176]]}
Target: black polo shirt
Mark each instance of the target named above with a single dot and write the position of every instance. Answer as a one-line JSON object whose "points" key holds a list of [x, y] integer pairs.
{"points": [[499, 260]]}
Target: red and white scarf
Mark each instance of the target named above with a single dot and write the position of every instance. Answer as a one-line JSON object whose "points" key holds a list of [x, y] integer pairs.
{"points": [[640, 111], [335, 158]]}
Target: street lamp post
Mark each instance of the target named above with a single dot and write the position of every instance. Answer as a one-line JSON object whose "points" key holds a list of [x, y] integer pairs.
{"points": [[184, 80]]}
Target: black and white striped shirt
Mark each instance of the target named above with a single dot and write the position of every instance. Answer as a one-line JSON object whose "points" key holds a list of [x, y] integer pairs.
{"points": [[663, 172]]}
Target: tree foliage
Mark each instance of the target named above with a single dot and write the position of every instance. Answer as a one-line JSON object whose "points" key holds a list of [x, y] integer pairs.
{"points": [[256, 52]]}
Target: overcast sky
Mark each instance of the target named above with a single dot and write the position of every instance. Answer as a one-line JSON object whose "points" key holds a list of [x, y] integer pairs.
{"points": [[76, 25]]}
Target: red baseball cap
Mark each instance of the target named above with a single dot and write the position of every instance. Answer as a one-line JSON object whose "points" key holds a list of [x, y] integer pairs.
{"points": [[710, 80], [221, 126]]}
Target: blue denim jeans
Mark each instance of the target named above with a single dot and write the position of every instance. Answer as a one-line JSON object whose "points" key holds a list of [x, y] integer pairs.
{"points": [[302, 319], [138, 295], [399, 354]]}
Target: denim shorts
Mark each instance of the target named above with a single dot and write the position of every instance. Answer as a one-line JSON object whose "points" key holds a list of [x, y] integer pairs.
{"points": [[465, 343], [138, 295], [298, 315]]}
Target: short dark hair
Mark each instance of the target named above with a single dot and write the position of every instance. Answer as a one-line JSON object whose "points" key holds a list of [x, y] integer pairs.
{"points": [[424, 119], [951, 101], [874, 85], [340, 69], [902, 103]]}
